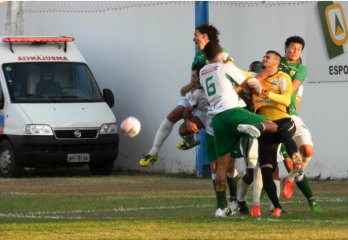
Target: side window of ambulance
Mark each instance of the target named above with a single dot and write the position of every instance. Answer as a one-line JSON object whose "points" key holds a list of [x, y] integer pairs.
{"points": [[86, 82]]}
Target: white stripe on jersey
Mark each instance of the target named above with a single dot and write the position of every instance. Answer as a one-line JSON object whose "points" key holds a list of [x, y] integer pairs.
{"points": [[300, 91]]}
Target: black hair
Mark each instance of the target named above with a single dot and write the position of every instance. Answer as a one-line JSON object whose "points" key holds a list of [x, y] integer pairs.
{"points": [[277, 54], [211, 50], [210, 30], [253, 65], [295, 39], [198, 66]]}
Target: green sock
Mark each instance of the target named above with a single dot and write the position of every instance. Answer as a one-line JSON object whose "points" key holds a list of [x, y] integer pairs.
{"points": [[303, 185], [232, 183], [221, 200]]}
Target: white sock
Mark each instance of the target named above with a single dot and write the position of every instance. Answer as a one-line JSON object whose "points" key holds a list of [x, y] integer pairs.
{"points": [[257, 185], [292, 174], [253, 153], [163, 132], [235, 173], [243, 189], [277, 183], [299, 177]]}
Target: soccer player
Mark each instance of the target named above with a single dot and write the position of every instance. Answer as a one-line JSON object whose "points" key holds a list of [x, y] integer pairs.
{"points": [[254, 65], [192, 124], [202, 35], [229, 119], [271, 97], [291, 64], [196, 102], [250, 151]]}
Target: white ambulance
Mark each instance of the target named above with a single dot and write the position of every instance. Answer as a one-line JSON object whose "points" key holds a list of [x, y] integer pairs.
{"points": [[52, 112]]}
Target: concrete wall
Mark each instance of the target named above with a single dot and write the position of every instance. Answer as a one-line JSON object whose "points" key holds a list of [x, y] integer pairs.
{"points": [[248, 31], [3, 17], [143, 54]]}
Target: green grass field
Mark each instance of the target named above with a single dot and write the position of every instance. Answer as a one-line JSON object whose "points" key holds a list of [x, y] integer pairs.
{"points": [[138, 206]]}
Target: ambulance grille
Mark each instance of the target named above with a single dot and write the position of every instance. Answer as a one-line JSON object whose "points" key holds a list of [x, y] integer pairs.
{"points": [[71, 134]]}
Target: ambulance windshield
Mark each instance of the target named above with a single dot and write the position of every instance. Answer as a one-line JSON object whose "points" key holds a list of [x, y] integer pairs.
{"points": [[51, 82]]}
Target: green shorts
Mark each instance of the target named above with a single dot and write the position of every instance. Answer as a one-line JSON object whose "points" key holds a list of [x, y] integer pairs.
{"points": [[226, 135], [210, 147]]}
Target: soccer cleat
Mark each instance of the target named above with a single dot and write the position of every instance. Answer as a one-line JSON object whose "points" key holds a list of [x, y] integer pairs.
{"points": [[145, 161], [315, 208], [183, 146], [287, 189], [243, 208], [277, 212], [256, 211], [233, 207], [297, 160], [221, 213], [250, 130]]}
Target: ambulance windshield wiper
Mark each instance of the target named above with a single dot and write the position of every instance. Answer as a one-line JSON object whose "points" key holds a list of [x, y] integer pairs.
{"points": [[77, 98], [54, 98], [42, 97]]}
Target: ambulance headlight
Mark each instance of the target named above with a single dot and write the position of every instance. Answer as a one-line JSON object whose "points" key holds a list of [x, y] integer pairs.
{"points": [[108, 128], [37, 129]]}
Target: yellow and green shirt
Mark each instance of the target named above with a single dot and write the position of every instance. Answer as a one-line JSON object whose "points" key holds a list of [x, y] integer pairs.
{"points": [[275, 106], [295, 71]]}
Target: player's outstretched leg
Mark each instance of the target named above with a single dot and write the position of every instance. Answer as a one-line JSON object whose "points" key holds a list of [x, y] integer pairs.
{"points": [[188, 142], [187, 132], [303, 184], [162, 134]]}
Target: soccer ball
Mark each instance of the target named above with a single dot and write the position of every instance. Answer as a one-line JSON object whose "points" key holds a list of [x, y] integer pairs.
{"points": [[131, 126]]}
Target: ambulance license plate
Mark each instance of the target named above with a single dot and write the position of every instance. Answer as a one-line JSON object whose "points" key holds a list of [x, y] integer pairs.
{"points": [[78, 157]]}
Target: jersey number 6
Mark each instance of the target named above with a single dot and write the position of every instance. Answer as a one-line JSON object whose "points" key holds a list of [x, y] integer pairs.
{"points": [[211, 90]]}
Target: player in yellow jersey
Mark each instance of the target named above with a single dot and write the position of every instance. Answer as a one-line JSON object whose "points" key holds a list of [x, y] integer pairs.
{"points": [[271, 98]]}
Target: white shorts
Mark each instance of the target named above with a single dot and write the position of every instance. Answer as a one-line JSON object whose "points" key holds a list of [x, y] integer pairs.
{"points": [[249, 150], [208, 125], [185, 100], [302, 135]]}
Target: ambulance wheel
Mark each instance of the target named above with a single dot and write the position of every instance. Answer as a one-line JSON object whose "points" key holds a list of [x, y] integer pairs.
{"points": [[103, 168], [8, 165]]}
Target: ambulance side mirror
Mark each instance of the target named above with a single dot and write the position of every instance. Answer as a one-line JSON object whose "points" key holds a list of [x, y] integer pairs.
{"points": [[109, 97]]}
